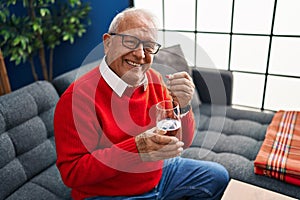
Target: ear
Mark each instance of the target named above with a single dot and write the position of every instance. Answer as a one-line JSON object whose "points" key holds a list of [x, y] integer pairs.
{"points": [[106, 42]]}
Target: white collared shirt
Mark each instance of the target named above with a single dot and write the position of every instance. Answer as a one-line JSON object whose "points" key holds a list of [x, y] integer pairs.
{"points": [[116, 83]]}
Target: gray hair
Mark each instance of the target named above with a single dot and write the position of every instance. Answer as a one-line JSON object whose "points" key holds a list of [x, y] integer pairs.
{"points": [[138, 12]]}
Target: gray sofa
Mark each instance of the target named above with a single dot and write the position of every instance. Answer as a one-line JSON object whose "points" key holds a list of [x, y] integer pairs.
{"points": [[27, 148], [224, 134]]}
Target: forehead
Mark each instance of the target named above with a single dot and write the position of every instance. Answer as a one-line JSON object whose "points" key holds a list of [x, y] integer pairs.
{"points": [[140, 26]]}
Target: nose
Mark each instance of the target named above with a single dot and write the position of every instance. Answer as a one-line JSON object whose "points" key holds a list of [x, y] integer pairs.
{"points": [[139, 51]]}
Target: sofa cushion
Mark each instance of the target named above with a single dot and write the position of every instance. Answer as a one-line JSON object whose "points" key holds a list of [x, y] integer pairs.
{"points": [[45, 186], [27, 144], [233, 137]]}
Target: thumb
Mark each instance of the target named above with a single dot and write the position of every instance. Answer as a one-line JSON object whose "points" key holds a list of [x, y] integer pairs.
{"points": [[161, 132]]}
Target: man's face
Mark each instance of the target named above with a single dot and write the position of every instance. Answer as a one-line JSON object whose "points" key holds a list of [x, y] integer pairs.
{"points": [[130, 65]]}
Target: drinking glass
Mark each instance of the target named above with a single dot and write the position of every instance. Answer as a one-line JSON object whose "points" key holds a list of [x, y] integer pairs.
{"points": [[168, 118]]}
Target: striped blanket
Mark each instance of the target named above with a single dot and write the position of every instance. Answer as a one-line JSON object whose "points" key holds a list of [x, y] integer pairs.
{"points": [[279, 155]]}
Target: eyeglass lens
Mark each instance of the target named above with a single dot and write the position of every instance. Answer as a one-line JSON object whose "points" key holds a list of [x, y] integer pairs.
{"points": [[132, 42]]}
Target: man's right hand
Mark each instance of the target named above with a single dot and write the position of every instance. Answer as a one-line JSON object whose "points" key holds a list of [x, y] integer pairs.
{"points": [[153, 146]]}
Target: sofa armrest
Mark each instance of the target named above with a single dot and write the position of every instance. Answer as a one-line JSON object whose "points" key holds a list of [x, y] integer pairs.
{"points": [[213, 86]]}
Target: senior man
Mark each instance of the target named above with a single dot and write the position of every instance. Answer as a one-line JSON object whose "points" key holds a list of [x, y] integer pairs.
{"points": [[106, 140]]}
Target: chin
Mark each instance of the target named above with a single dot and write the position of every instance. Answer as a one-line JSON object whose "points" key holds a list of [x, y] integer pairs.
{"points": [[133, 79], [134, 82]]}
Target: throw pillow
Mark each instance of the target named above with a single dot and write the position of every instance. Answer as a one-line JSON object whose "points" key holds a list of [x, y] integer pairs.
{"points": [[170, 60]]}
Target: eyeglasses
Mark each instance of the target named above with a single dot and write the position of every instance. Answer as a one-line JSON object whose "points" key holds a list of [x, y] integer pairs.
{"points": [[132, 42]]}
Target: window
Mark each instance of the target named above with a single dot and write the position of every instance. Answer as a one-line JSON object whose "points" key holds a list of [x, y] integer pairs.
{"points": [[259, 41]]}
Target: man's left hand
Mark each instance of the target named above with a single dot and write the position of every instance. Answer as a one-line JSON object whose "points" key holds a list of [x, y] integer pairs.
{"points": [[181, 87]]}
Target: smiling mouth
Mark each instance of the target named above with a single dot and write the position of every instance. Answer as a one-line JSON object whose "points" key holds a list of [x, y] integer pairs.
{"points": [[133, 63]]}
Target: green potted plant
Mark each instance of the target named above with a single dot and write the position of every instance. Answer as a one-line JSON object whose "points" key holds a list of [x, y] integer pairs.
{"points": [[36, 30]]}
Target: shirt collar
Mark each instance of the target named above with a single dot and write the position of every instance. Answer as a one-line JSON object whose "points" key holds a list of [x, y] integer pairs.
{"points": [[116, 83]]}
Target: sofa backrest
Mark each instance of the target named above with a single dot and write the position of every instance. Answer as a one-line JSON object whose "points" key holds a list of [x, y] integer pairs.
{"points": [[213, 85], [63, 81], [27, 146], [169, 60]]}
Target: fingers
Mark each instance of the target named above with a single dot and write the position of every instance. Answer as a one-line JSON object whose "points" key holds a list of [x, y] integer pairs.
{"points": [[181, 74], [181, 87], [153, 146], [180, 80], [161, 154], [161, 132]]}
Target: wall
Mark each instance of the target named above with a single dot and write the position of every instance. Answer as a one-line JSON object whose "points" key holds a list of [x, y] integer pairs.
{"points": [[67, 56]]}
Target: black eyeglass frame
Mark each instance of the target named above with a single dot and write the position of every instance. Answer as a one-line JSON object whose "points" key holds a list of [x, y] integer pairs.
{"points": [[157, 45]]}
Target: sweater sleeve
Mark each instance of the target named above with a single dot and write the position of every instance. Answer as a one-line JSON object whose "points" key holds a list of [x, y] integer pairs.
{"points": [[77, 134]]}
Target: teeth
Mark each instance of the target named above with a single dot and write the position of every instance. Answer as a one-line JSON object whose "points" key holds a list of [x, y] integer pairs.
{"points": [[134, 64]]}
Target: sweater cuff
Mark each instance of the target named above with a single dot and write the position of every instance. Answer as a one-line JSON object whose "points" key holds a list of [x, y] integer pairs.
{"points": [[128, 145], [188, 115], [129, 149], [129, 159]]}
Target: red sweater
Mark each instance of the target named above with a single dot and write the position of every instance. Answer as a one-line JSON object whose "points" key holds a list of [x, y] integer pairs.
{"points": [[94, 135]]}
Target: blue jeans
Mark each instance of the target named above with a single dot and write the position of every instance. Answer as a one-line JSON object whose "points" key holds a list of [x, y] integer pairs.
{"points": [[185, 178]]}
